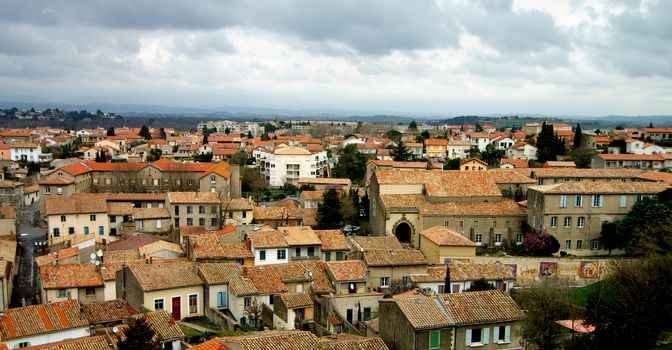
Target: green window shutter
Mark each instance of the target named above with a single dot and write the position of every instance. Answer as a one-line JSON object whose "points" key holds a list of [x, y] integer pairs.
{"points": [[467, 338], [434, 339], [507, 334], [495, 335], [486, 336]]}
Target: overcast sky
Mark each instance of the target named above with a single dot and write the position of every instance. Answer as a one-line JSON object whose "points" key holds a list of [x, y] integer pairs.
{"points": [[551, 57]]}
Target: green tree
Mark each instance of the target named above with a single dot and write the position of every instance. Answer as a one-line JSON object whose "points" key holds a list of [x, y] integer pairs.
{"points": [[549, 145], [162, 134], [479, 285], [249, 135], [425, 134], [227, 130], [329, 211], [632, 306], [144, 132], [110, 131], [239, 158], [478, 127], [264, 137], [492, 155], [451, 164], [139, 336], [582, 157], [401, 153], [578, 135], [393, 135], [413, 125], [205, 138], [351, 164]]}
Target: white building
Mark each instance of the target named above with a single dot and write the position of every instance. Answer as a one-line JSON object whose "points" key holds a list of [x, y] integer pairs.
{"points": [[458, 149], [288, 164], [31, 152], [522, 150]]}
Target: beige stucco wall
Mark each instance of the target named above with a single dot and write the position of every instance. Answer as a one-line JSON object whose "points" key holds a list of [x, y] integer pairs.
{"points": [[375, 273], [436, 254], [79, 221], [167, 296]]}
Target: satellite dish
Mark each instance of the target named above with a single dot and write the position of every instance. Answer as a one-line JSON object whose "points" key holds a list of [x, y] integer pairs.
{"points": [[99, 253], [115, 329], [92, 261], [97, 262], [92, 256]]}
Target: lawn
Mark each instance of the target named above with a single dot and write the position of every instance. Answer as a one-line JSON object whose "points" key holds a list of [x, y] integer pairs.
{"points": [[580, 296]]}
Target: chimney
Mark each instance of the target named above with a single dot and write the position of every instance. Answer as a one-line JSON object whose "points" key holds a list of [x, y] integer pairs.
{"points": [[446, 281], [151, 259]]}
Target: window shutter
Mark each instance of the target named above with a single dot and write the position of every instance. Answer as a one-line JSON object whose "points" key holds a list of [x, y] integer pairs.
{"points": [[467, 338], [486, 336], [495, 335], [507, 334]]}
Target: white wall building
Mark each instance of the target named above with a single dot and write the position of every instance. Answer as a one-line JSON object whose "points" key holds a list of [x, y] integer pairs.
{"points": [[289, 164], [25, 151]]}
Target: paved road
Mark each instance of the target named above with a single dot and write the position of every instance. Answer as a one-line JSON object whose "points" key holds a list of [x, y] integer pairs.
{"points": [[29, 232]]}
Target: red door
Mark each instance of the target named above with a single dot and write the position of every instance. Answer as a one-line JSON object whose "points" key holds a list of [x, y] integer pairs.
{"points": [[177, 310]]}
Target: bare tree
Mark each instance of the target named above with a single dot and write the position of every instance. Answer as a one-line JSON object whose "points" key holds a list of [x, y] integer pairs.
{"points": [[254, 312]]}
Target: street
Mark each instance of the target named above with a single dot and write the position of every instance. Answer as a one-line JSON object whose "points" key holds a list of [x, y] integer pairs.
{"points": [[29, 232]]}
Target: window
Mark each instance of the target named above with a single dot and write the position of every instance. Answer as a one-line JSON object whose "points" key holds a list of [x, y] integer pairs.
{"points": [[262, 255], [579, 244], [498, 238], [406, 280], [578, 201], [282, 254], [190, 209], [461, 224], [501, 335], [47, 190], [327, 256], [231, 215], [568, 222], [446, 223], [61, 293], [595, 244], [297, 252], [158, 304], [475, 223], [568, 244], [57, 232], [247, 301], [101, 230], [201, 222], [624, 201], [384, 282], [90, 291], [190, 222], [158, 223], [86, 230], [92, 217], [477, 336], [201, 209], [71, 230], [367, 313], [554, 221], [177, 210], [597, 200], [155, 182], [508, 223], [581, 222], [24, 344], [59, 190], [193, 303], [494, 223], [213, 179], [563, 201], [244, 214], [214, 222], [311, 251], [479, 238], [62, 218], [434, 340], [340, 256], [113, 218], [177, 222]]}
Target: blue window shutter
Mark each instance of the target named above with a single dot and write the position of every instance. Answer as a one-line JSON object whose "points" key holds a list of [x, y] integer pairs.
{"points": [[486, 336], [495, 335], [507, 334], [467, 338]]}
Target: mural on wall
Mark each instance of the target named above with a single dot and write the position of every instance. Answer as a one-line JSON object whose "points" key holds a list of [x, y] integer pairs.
{"points": [[514, 269], [589, 269], [548, 268], [451, 260]]}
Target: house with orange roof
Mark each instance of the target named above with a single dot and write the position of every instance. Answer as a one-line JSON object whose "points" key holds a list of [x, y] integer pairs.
{"points": [[289, 164], [473, 164], [522, 150], [436, 148], [658, 134], [81, 282], [439, 243], [509, 163]]}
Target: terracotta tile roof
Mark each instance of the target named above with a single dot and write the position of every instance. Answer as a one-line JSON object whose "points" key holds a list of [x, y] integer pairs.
{"points": [[59, 206], [396, 257], [236, 251], [345, 341], [59, 255], [212, 344], [267, 239], [119, 208], [301, 271], [266, 279], [107, 311], [31, 189], [325, 181], [307, 215], [631, 157], [517, 163], [300, 236], [56, 181], [490, 306], [374, 324], [192, 230], [404, 165], [275, 340], [110, 256], [436, 142], [221, 169], [150, 213], [290, 150], [377, 242], [312, 195], [465, 272], [116, 167], [657, 176], [346, 271], [99, 342], [206, 246], [165, 276], [158, 246], [503, 207], [580, 173], [70, 276], [238, 204], [422, 312], [559, 164], [296, 300], [231, 274], [193, 197], [172, 166], [163, 325], [443, 236], [332, 240], [38, 319], [76, 169], [602, 187], [133, 241]]}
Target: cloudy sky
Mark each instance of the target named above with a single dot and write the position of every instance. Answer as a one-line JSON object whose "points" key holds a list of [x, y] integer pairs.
{"points": [[574, 57]]}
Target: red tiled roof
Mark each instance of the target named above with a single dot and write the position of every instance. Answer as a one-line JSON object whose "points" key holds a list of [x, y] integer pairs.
{"points": [[133, 241], [37, 319], [75, 169]]}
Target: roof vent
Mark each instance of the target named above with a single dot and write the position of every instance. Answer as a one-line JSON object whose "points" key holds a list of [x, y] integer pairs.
{"points": [[418, 301]]}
